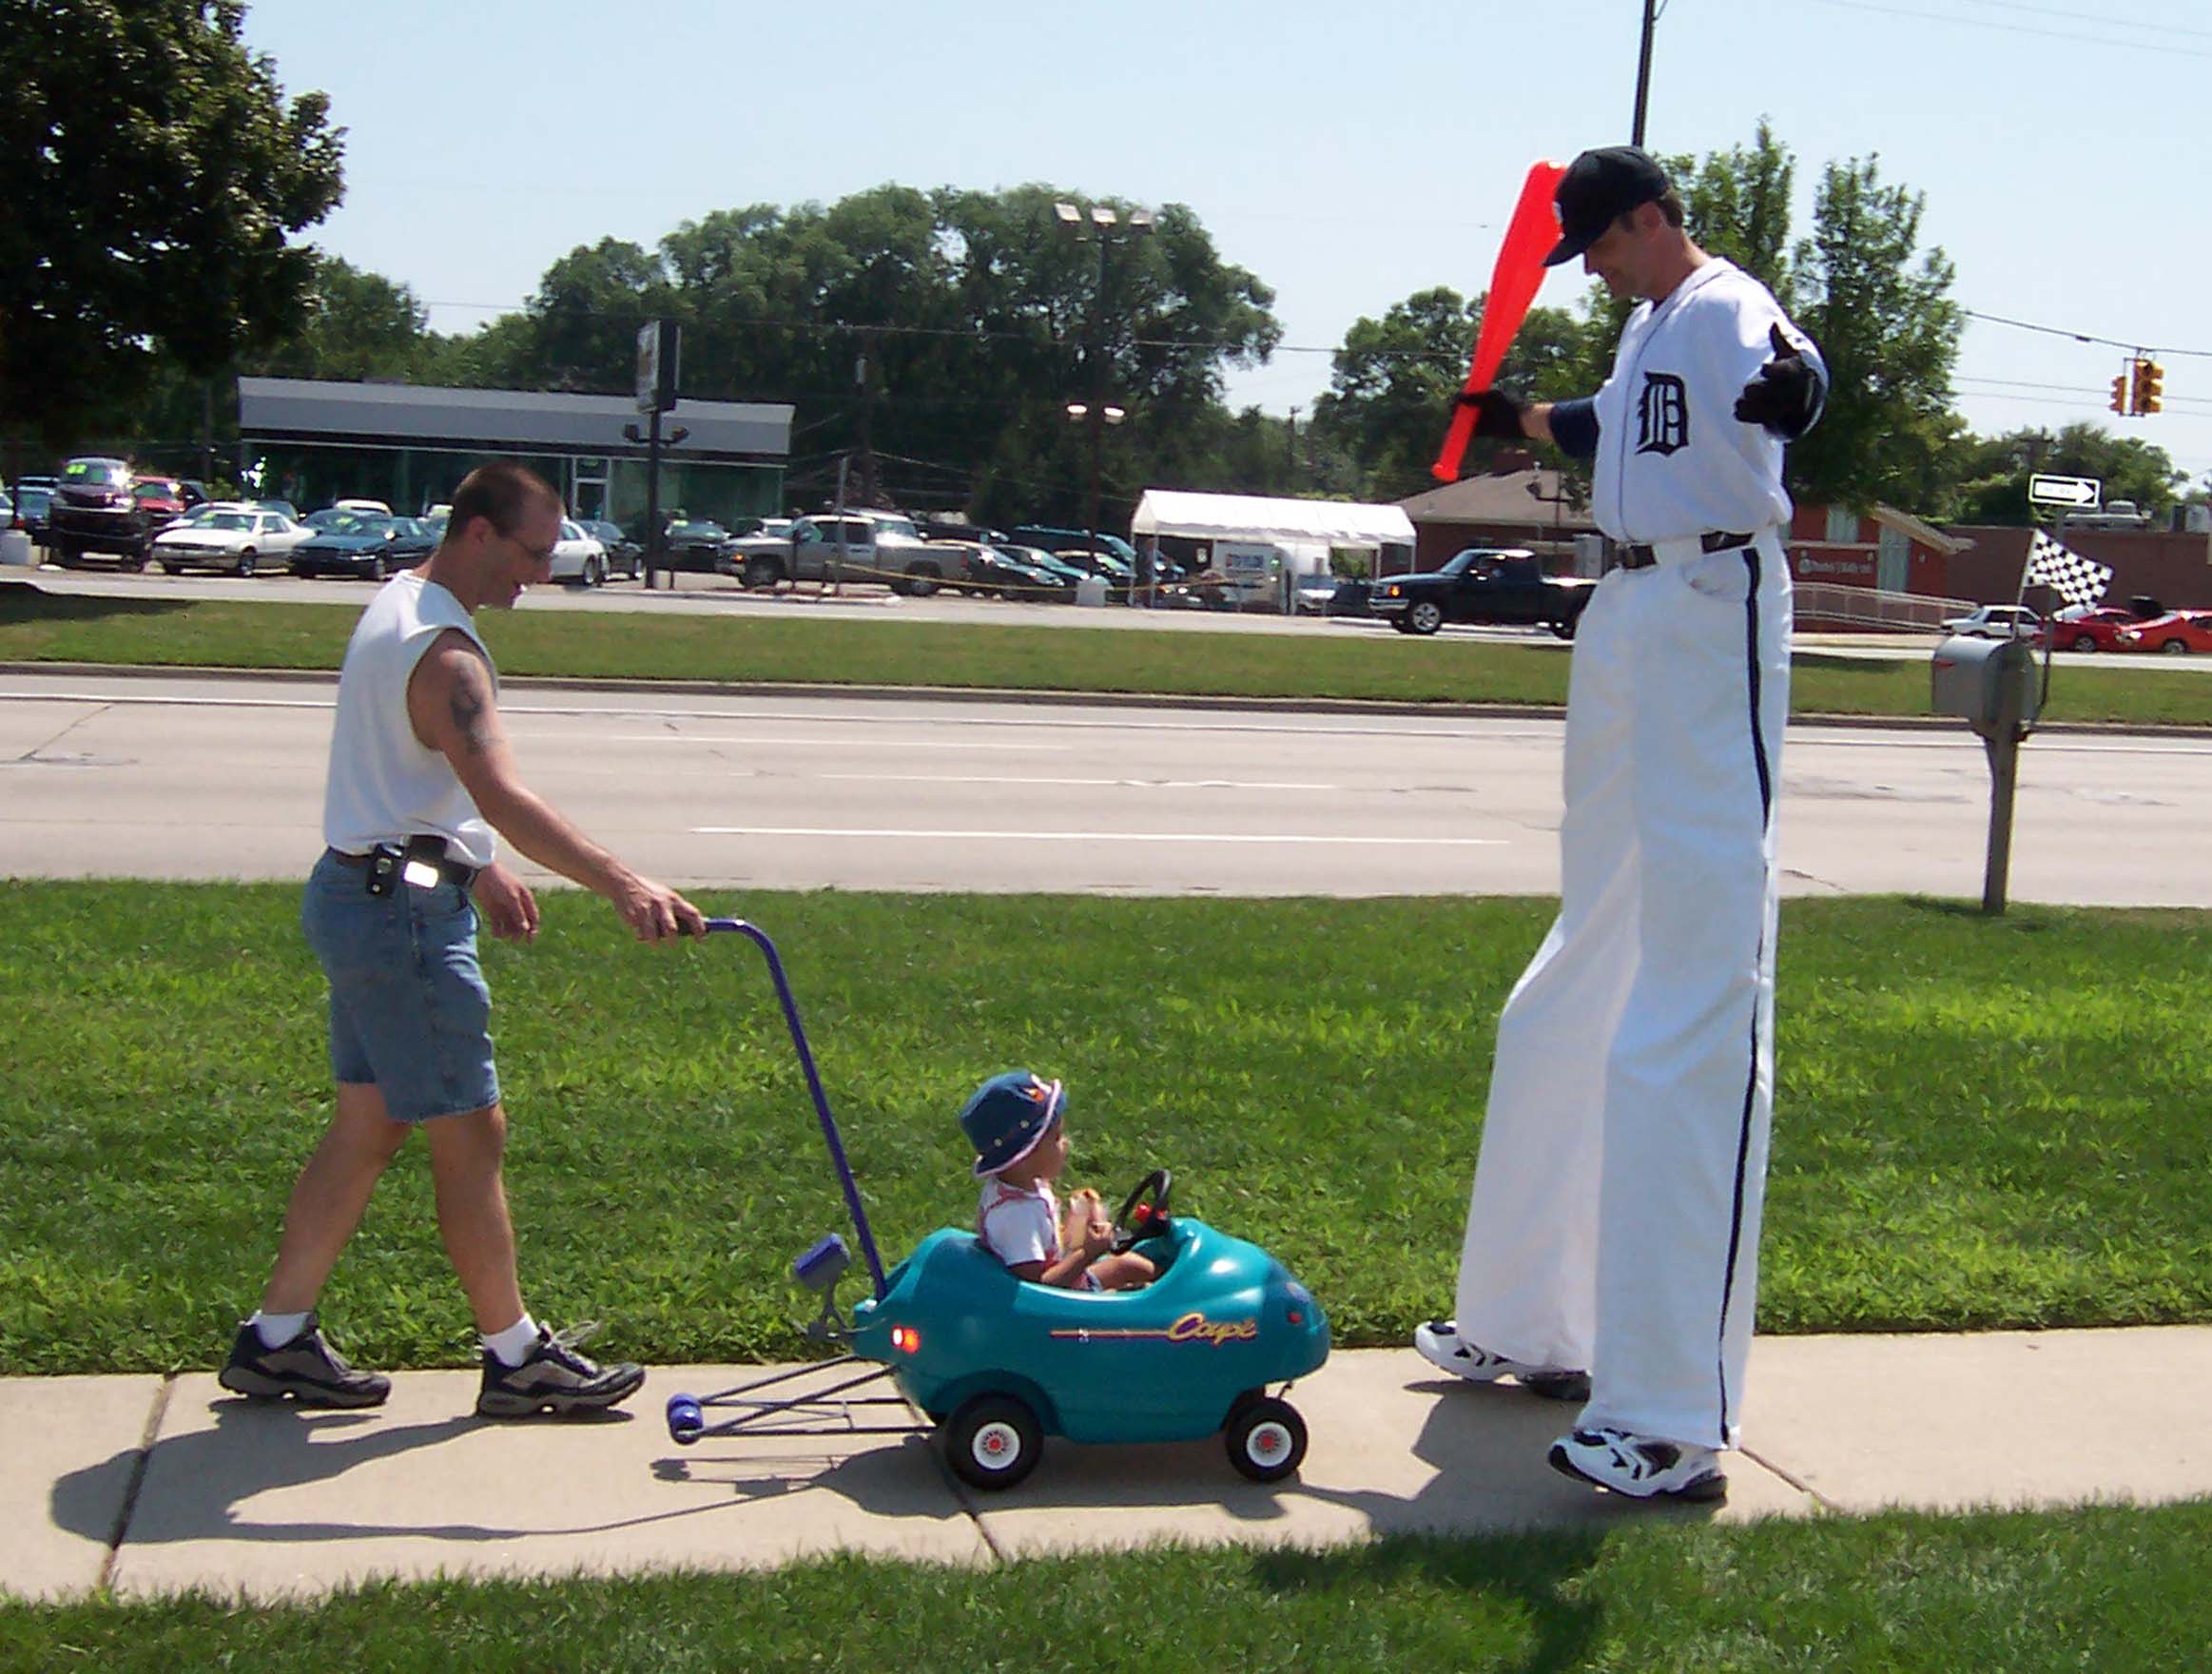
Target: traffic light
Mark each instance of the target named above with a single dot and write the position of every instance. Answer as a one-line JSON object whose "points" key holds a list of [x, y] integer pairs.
{"points": [[2149, 383], [2120, 399]]}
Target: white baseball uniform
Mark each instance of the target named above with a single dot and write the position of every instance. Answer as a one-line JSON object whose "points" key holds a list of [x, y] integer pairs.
{"points": [[1615, 1217]]}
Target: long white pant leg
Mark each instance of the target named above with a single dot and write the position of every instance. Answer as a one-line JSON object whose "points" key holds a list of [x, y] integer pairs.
{"points": [[1527, 1265], [1690, 1084]]}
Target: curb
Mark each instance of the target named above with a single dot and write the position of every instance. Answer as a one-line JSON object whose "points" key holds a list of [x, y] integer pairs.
{"points": [[1146, 700]]}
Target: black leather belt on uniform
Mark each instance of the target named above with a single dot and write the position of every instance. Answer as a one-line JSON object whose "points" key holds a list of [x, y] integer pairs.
{"points": [[1718, 540], [449, 871]]}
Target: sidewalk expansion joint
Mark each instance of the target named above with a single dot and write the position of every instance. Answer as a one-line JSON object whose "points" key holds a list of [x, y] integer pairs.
{"points": [[1804, 1488], [154, 1418]]}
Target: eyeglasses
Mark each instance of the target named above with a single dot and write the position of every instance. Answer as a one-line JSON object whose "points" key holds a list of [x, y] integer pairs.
{"points": [[535, 555]]}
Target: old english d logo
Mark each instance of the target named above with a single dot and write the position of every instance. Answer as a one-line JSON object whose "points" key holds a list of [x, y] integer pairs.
{"points": [[1662, 415]]}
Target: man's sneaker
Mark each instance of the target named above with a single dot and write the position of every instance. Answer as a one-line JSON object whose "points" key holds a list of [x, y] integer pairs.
{"points": [[1640, 1467], [555, 1379], [307, 1369], [1440, 1345]]}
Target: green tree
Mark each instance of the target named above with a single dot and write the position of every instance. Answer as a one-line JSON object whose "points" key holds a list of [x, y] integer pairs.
{"points": [[1880, 308], [153, 172], [358, 326], [1392, 383]]}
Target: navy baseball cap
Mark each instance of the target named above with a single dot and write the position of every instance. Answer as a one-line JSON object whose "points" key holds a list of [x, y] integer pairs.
{"points": [[1598, 188], [1005, 1117]]}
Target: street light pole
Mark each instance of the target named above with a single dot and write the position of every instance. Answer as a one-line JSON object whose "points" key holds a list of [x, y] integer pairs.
{"points": [[1100, 222], [1643, 71]]}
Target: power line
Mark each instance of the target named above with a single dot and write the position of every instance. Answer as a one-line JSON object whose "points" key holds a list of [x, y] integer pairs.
{"points": [[2008, 29]]}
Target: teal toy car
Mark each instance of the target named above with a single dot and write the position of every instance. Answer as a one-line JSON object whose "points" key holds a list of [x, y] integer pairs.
{"points": [[999, 1364]]}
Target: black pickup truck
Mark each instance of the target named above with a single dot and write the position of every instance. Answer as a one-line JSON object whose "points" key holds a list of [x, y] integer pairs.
{"points": [[1482, 584]]}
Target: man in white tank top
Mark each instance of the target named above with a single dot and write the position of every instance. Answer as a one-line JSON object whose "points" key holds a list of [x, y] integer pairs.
{"points": [[421, 780]]}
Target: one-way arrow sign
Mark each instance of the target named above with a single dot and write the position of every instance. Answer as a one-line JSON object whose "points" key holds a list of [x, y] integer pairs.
{"points": [[2080, 492]]}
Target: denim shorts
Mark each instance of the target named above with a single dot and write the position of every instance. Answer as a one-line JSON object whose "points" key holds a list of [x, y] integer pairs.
{"points": [[409, 1010]]}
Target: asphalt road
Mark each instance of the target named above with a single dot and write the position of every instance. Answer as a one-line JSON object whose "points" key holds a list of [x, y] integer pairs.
{"points": [[220, 778]]}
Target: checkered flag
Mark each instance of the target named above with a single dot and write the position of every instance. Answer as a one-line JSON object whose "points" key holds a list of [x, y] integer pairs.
{"points": [[2074, 578]]}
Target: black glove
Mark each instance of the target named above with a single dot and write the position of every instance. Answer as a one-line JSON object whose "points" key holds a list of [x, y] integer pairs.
{"points": [[1496, 413], [1786, 394]]}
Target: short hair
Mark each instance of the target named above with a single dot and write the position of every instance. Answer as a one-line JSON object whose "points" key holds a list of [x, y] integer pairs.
{"points": [[501, 493], [1670, 203]]}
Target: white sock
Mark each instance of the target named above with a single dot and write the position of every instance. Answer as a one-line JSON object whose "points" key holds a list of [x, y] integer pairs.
{"points": [[276, 1330], [514, 1345]]}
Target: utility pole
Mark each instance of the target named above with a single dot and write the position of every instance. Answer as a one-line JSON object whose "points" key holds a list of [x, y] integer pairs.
{"points": [[1291, 452], [867, 391], [1643, 71]]}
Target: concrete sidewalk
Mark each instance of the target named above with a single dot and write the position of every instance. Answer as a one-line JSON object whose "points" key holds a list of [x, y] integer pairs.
{"points": [[148, 1485]]}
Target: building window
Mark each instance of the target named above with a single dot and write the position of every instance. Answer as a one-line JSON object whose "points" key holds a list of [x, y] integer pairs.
{"points": [[1842, 523]]}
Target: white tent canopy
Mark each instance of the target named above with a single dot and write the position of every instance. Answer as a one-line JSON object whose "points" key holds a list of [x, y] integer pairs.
{"points": [[1255, 518]]}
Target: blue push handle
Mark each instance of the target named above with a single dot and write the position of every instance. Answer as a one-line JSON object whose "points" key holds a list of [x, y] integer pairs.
{"points": [[852, 1192]]}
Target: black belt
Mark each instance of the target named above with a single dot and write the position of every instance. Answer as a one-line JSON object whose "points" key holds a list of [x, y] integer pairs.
{"points": [[1718, 540], [449, 871]]}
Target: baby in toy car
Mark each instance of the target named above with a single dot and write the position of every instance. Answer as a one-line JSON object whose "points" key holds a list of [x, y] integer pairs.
{"points": [[1017, 1124]]}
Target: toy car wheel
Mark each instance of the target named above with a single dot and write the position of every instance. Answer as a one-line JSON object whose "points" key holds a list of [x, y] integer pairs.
{"points": [[992, 1442], [1266, 1438]]}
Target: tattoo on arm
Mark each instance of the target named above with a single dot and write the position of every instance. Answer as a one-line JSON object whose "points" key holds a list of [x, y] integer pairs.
{"points": [[471, 711]]}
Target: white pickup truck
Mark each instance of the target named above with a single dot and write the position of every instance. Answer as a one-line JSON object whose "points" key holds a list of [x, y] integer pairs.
{"points": [[859, 546]]}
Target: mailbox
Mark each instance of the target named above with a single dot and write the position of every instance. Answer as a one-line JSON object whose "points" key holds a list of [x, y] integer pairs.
{"points": [[1988, 683]]}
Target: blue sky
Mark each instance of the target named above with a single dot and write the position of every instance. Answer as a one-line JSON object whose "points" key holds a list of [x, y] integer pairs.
{"points": [[1348, 155]]}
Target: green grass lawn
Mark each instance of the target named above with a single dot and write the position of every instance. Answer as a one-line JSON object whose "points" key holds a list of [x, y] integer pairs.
{"points": [[1335, 661], [2109, 1589], [1980, 1124]]}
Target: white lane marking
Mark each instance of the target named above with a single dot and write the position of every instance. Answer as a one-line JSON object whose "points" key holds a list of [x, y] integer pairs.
{"points": [[992, 744], [1020, 779], [1001, 836]]}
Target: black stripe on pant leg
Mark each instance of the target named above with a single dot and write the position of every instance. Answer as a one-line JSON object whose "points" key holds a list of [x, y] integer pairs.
{"points": [[1766, 802]]}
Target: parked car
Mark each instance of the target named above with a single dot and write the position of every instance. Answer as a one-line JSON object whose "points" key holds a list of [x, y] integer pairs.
{"points": [[101, 506], [1064, 541], [861, 546], [33, 507], [990, 569], [329, 517], [697, 543], [624, 556], [1051, 563], [378, 507], [579, 557], [2094, 630], [282, 507], [2176, 633], [1997, 622], [227, 535], [1499, 585], [365, 544]]}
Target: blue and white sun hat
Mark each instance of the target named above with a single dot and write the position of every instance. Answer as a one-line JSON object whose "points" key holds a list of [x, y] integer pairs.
{"points": [[1007, 1117]]}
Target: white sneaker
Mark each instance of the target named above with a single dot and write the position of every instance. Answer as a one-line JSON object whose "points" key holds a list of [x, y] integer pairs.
{"points": [[1438, 1344], [1640, 1467]]}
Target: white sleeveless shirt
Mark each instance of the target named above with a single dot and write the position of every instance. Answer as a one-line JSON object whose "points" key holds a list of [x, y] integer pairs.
{"points": [[383, 785]]}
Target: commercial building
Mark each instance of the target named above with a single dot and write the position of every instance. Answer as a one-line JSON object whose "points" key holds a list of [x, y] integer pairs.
{"points": [[312, 442]]}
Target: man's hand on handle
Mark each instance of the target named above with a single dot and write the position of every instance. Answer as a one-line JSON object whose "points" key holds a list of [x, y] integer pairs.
{"points": [[653, 911]]}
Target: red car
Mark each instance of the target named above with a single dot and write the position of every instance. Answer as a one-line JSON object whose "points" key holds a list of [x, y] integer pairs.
{"points": [[2097, 630], [2175, 632]]}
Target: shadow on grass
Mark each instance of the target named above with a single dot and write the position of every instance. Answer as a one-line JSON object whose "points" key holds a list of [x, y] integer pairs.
{"points": [[27, 601], [1537, 1577]]}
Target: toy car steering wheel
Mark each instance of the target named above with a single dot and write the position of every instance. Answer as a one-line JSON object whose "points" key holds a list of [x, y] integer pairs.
{"points": [[1144, 1212]]}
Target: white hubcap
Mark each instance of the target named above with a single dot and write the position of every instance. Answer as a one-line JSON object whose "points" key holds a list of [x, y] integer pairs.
{"points": [[1269, 1444], [995, 1445]]}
